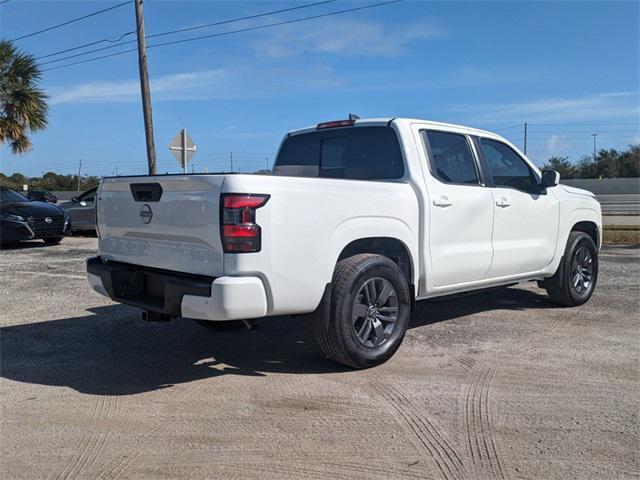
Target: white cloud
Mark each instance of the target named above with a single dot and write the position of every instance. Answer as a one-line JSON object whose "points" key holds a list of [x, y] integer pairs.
{"points": [[473, 75], [232, 131], [181, 84], [600, 106], [557, 144], [347, 37], [238, 82]]}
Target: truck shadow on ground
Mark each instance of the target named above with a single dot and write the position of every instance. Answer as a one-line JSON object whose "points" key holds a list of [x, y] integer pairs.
{"points": [[25, 245], [113, 352]]}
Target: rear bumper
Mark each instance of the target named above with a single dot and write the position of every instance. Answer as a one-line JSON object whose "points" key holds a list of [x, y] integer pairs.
{"points": [[177, 294]]}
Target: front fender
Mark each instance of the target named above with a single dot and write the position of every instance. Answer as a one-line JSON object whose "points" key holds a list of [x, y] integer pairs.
{"points": [[566, 225]]}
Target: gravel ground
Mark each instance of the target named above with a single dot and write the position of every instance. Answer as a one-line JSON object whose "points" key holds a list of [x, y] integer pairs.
{"points": [[501, 385]]}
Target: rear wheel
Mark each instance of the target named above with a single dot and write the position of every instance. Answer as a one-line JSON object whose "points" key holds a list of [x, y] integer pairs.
{"points": [[370, 309], [52, 241], [576, 277]]}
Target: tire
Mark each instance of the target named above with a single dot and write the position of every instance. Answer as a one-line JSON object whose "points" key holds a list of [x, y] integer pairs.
{"points": [[576, 277], [52, 241], [362, 333]]}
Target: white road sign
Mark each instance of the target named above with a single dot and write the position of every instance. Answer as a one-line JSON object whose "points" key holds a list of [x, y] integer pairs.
{"points": [[183, 148]]}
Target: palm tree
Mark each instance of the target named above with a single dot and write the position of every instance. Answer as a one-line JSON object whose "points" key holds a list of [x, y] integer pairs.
{"points": [[23, 106]]}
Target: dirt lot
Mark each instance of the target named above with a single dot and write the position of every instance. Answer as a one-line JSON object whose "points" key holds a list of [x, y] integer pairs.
{"points": [[497, 386], [622, 234]]}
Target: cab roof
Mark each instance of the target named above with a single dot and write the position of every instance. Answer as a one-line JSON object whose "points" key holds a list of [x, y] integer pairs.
{"points": [[377, 122]]}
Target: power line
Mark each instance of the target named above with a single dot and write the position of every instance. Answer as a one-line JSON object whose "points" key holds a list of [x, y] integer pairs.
{"points": [[580, 124], [574, 127], [186, 29], [90, 59], [508, 128], [276, 24], [88, 45], [580, 130], [249, 17], [579, 134], [586, 137], [73, 20], [231, 32]]}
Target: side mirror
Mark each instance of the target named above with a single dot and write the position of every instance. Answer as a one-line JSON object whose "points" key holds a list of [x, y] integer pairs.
{"points": [[75, 199], [550, 178]]}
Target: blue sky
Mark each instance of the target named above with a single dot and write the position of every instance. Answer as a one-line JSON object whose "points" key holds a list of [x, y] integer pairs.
{"points": [[569, 69]]}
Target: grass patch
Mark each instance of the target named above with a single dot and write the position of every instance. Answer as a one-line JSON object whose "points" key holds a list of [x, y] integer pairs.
{"points": [[621, 234]]}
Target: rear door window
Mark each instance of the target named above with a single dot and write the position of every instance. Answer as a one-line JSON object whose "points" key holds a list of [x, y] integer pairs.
{"points": [[358, 153], [450, 158]]}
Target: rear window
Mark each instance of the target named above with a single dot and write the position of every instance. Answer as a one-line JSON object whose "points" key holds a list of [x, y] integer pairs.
{"points": [[450, 158], [359, 153]]}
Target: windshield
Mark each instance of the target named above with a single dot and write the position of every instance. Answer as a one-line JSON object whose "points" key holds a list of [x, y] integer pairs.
{"points": [[7, 195]]}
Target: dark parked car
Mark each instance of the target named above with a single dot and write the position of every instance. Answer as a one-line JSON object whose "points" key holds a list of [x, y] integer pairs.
{"points": [[81, 210], [24, 219], [42, 196]]}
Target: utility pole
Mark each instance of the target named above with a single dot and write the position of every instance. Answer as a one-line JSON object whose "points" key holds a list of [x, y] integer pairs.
{"points": [[144, 88], [594, 135], [79, 171], [231, 160], [525, 138], [267, 162]]}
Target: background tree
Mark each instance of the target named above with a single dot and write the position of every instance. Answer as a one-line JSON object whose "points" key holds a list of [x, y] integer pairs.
{"points": [[563, 166], [587, 167], [23, 106], [630, 162], [49, 181]]}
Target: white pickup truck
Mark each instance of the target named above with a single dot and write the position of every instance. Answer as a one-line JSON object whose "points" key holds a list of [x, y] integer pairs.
{"points": [[360, 219]]}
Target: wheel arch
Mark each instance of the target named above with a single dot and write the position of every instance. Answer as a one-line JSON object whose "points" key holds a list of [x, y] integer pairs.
{"points": [[383, 235], [590, 228], [584, 220], [390, 247]]}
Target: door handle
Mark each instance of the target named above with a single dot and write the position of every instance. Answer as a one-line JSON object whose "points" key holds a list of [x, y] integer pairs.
{"points": [[443, 201], [503, 202]]}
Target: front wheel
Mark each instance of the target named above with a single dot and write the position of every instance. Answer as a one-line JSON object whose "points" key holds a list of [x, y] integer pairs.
{"points": [[370, 311], [576, 277]]}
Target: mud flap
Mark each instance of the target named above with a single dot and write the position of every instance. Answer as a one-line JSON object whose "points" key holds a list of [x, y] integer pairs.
{"points": [[318, 321]]}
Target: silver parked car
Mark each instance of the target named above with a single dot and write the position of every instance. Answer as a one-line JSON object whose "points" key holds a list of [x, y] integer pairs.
{"points": [[81, 210]]}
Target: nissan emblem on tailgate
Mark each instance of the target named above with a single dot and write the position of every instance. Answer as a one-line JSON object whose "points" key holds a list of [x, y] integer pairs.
{"points": [[145, 213]]}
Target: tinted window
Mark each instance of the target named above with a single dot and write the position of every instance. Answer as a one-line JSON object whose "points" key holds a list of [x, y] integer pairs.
{"points": [[7, 195], [332, 157], [451, 159], [35, 195], [362, 153], [88, 196], [508, 169]]}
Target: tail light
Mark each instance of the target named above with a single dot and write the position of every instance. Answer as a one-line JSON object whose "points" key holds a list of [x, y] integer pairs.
{"points": [[239, 231], [335, 124]]}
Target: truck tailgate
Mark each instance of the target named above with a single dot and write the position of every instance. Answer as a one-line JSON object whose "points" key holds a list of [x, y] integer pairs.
{"points": [[165, 222]]}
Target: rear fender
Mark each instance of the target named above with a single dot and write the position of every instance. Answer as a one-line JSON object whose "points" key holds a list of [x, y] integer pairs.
{"points": [[371, 227]]}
